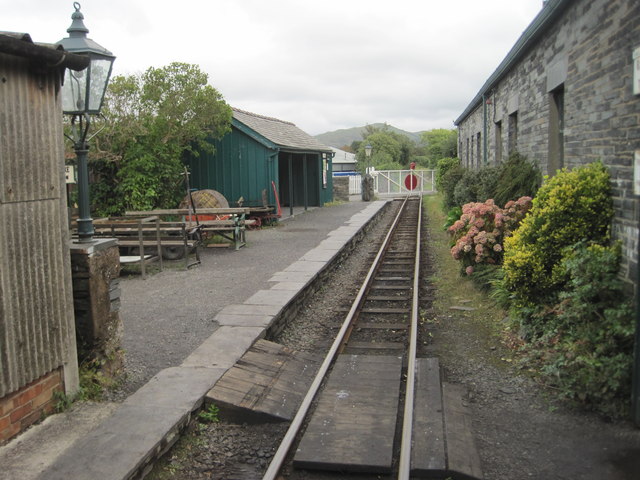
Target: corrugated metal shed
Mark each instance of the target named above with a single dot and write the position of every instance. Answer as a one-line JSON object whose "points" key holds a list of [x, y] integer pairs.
{"points": [[37, 332]]}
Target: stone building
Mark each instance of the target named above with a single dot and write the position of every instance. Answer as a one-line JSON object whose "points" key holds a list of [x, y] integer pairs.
{"points": [[568, 94]]}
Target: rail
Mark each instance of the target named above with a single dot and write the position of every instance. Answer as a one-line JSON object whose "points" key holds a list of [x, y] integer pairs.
{"points": [[339, 344]]}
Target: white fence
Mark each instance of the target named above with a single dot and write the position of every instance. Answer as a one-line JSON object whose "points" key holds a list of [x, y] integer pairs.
{"points": [[396, 182]]}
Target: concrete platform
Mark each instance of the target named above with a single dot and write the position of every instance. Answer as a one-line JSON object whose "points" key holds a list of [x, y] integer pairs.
{"points": [[121, 441]]}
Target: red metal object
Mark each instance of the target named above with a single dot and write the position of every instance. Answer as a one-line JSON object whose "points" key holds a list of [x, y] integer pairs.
{"points": [[275, 192], [411, 181]]}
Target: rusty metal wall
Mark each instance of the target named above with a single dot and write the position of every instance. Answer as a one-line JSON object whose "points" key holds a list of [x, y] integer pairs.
{"points": [[36, 302]]}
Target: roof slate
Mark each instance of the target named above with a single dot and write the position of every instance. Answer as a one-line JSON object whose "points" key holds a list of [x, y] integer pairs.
{"points": [[284, 134]]}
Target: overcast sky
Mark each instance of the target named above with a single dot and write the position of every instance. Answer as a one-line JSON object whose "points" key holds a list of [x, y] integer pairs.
{"points": [[323, 65]]}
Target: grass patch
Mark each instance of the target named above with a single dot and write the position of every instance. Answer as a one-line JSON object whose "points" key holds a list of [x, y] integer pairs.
{"points": [[454, 290]]}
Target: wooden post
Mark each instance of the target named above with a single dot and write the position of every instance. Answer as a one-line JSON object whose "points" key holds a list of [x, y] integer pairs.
{"points": [[305, 182], [291, 184]]}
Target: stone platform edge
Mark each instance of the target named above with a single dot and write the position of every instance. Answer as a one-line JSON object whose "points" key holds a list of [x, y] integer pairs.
{"points": [[145, 426]]}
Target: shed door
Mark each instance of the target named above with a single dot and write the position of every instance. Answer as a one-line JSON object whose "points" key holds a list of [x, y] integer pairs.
{"points": [[299, 178]]}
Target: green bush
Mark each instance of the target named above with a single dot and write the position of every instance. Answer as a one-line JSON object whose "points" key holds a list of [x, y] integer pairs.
{"points": [[442, 167], [570, 207], [453, 215], [586, 339], [466, 190], [517, 177], [476, 186], [448, 183], [487, 182]]}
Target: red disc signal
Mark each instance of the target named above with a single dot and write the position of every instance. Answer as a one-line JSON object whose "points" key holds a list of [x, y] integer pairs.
{"points": [[411, 181]]}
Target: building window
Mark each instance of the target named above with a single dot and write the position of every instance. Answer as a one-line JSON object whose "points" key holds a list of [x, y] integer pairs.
{"points": [[467, 155], [513, 132], [556, 130], [498, 142], [479, 149]]}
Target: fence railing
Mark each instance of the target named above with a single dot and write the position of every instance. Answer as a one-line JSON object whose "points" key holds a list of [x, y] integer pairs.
{"points": [[396, 182]]}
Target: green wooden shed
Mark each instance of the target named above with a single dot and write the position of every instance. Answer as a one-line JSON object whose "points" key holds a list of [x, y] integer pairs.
{"points": [[259, 153]]}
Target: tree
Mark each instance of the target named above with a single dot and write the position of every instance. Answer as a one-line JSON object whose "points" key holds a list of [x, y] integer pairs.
{"points": [[440, 143], [152, 121], [385, 149], [391, 150]]}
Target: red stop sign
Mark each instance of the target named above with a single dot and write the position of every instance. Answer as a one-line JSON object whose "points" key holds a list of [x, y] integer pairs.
{"points": [[411, 181]]}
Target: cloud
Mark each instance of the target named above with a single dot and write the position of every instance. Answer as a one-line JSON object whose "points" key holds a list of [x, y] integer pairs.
{"points": [[323, 65]]}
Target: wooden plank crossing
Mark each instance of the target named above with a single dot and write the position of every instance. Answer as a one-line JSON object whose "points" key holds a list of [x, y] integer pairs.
{"points": [[267, 384], [462, 455], [428, 457], [443, 444], [353, 426]]}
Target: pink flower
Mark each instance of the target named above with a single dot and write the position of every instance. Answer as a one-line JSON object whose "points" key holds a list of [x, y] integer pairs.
{"points": [[497, 247], [469, 270]]}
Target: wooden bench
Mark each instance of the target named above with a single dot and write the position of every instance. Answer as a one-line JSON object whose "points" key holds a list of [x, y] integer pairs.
{"points": [[148, 234], [232, 228], [137, 233]]}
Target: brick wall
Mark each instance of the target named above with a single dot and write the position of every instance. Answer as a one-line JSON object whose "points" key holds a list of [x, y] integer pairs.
{"points": [[587, 54], [26, 406]]}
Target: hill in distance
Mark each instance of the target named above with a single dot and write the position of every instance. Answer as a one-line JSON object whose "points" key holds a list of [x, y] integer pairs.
{"points": [[347, 136]]}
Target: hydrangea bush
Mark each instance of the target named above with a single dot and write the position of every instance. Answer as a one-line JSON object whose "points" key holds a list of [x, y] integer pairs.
{"points": [[479, 234]]}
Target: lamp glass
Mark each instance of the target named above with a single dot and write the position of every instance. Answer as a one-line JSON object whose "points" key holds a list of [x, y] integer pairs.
{"points": [[83, 91]]}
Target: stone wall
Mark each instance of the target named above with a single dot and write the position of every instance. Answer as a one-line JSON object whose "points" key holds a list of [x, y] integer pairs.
{"points": [[586, 55], [341, 189], [96, 294]]}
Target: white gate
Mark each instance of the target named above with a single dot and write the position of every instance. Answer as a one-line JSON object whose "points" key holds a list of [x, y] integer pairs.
{"points": [[399, 182], [355, 184], [394, 182]]}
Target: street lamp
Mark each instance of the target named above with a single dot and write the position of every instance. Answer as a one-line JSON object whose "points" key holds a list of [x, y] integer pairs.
{"points": [[367, 152], [82, 96]]}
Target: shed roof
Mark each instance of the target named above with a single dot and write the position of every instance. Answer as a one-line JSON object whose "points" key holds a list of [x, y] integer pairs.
{"points": [[340, 156], [284, 134], [548, 15], [45, 55]]}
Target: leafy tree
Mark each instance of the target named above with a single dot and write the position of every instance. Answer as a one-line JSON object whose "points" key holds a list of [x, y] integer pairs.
{"points": [[440, 143], [390, 149], [348, 148], [152, 121], [385, 149], [407, 148]]}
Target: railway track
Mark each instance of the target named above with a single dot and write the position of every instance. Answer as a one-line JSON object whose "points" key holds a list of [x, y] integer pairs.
{"points": [[363, 419]]}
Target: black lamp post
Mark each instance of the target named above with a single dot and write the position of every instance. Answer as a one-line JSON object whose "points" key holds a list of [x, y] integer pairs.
{"points": [[367, 179], [82, 96]]}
